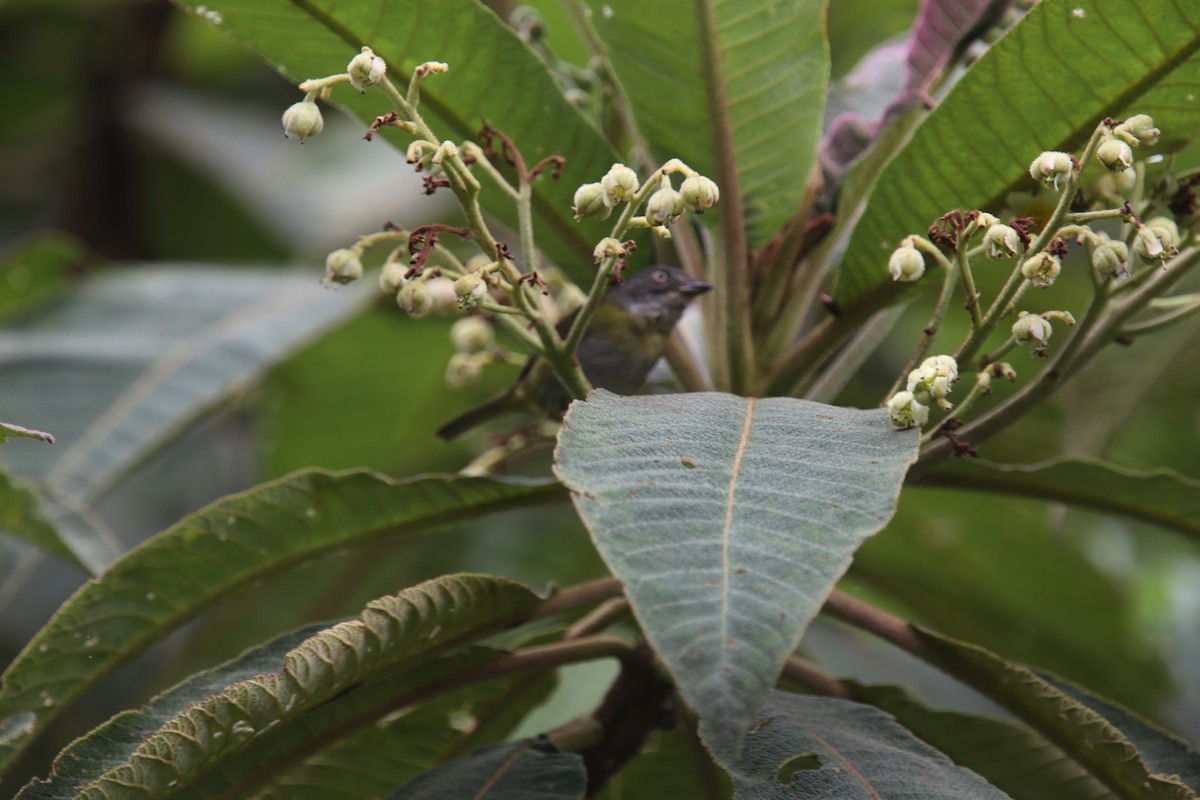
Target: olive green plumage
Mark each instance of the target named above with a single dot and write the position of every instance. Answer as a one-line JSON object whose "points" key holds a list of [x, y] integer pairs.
{"points": [[623, 342]]}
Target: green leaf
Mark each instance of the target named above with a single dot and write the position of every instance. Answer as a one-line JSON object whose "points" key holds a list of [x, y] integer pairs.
{"points": [[208, 557], [1015, 759], [735, 89], [992, 555], [1164, 753], [230, 741], [493, 77], [672, 763], [36, 271], [1045, 86], [1084, 735], [728, 520], [377, 758], [530, 769], [21, 515], [132, 357], [113, 742], [824, 747], [1160, 496]]}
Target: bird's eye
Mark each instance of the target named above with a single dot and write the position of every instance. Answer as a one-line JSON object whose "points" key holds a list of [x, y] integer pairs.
{"points": [[660, 276]]}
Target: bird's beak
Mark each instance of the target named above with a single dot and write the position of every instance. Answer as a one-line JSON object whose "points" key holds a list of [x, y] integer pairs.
{"points": [[693, 288]]}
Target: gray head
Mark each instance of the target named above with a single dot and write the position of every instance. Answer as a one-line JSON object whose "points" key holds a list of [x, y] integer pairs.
{"points": [[658, 294]]}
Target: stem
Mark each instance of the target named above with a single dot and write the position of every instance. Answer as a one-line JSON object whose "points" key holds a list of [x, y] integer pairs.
{"points": [[968, 280], [935, 320], [1093, 333], [815, 678], [599, 618], [877, 621], [685, 366], [998, 309], [582, 594], [851, 358], [1180, 311], [1049, 230]]}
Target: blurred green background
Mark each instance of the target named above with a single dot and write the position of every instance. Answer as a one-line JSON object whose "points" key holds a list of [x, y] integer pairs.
{"points": [[138, 139]]}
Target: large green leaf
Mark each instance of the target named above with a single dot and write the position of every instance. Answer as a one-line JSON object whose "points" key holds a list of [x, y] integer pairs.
{"points": [[493, 77], [207, 557], [226, 742], [823, 747], [21, 516], [728, 520], [1086, 736], [1015, 759], [734, 88], [1163, 752], [530, 769], [983, 569], [1161, 496], [377, 758], [127, 361], [36, 271], [1066, 66]]}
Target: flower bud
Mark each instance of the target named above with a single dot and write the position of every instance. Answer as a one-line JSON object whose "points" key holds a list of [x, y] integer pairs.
{"points": [[1001, 241], [905, 411], [1110, 258], [463, 370], [906, 264], [441, 290], [699, 193], [664, 206], [365, 69], [1032, 330], [620, 184], [1166, 230], [1115, 154], [472, 335], [1125, 181], [391, 277], [470, 289], [985, 220], [1051, 166], [1041, 269], [1138, 131], [608, 246], [342, 266], [302, 120], [590, 200], [415, 298], [933, 380]]}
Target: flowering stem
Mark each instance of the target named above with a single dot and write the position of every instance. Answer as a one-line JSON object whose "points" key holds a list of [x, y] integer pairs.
{"points": [[1050, 229], [950, 269], [968, 280], [1180, 308]]}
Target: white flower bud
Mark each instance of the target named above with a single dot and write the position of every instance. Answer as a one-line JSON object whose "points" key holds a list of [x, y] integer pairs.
{"points": [[620, 184], [1032, 330], [933, 380], [608, 246], [342, 266], [1051, 166], [1110, 258], [1041, 269], [1115, 154], [906, 264], [1125, 181], [365, 69], [699, 193], [463, 370], [415, 298], [1166, 230], [664, 206], [391, 277], [470, 289], [905, 411], [472, 335], [1001, 241], [441, 291], [302, 120], [1138, 131], [590, 200], [985, 220]]}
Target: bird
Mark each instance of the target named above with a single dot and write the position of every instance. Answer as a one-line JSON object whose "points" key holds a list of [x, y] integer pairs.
{"points": [[624, 340]]}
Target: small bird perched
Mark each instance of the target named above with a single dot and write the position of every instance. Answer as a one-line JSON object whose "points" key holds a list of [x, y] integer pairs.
{"points": [[624, 340]]}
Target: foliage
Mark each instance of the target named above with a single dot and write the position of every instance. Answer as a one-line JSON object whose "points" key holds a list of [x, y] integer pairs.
{"points": [[386, 655]]}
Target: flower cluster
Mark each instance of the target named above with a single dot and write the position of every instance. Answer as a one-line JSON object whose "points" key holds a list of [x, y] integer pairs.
{"points": [[664, 204]]}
